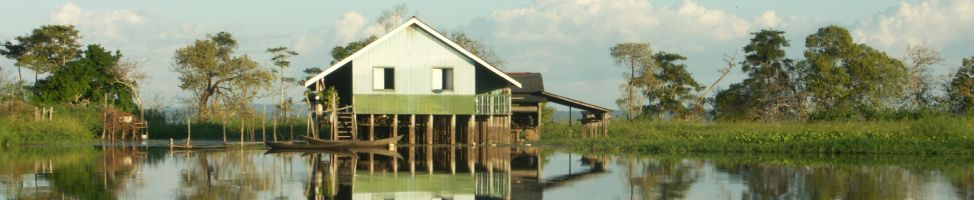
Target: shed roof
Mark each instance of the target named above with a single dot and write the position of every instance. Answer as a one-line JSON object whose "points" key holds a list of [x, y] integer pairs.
{"points": [[574, 103], [412, 21], [531, 86]]}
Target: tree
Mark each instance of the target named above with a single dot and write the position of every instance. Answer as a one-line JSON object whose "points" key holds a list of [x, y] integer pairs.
{"points": [[46, 50], [341, 52], [392, 18], [673, 96], [280, 58], [961, 88], [476, 48], [638, 57], [920, 84], [766, 66], [87, 80], [734, 103], [845, 78], [210, 71], [126, 73]]}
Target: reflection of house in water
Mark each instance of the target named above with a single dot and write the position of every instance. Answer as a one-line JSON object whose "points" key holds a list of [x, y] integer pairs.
{"points": [[432, 173]]}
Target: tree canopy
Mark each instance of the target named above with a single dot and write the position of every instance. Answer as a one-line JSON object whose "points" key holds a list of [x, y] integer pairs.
{"points": [[961, 87], [90, 79], [46, 49], [212, 73]]}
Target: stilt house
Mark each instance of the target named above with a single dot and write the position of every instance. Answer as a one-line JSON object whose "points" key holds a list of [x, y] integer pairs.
{"points": [[416, 82]]}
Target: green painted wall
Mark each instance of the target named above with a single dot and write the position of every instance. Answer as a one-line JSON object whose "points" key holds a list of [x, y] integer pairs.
{"points": [[415, 104]]}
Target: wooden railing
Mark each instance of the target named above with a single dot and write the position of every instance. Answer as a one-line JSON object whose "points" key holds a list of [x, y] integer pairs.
{"points": [[493, 104]]}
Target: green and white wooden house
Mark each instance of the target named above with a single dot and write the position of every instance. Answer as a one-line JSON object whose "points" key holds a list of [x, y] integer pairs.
{"points": [[414, 79]]}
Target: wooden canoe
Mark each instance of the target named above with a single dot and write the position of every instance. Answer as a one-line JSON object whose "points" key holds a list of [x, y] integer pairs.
{"points": [[353, 143], [199, 146]]}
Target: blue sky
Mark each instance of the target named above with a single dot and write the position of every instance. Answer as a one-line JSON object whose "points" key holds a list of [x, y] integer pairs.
{"points": [[568, 41]]}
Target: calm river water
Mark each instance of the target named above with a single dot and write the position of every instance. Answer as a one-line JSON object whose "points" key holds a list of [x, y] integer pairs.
{"points": [[427, 172]]}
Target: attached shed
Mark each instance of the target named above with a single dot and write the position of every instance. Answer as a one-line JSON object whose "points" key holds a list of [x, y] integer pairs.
{"points": [[529, 101]]}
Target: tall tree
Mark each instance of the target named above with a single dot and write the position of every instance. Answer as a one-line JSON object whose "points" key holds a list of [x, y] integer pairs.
{"points": [[673, 96], [47, 49], [87, 80], [920, 87], [281, 59], [766, 66], [638, 57], [390, 19], [961, 88], [210, 71], [845, 78]]}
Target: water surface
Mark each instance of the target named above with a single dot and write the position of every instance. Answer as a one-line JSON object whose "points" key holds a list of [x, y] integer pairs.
{"points": [[443, 172]]}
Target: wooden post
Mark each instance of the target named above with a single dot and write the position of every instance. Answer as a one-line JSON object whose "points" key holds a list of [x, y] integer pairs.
{"points": [[395, 126], [263, 122], [453, 129], [472, 129], [371, 127], [189, 131], [429, 130], [354, 126], [429, 159], [412, 129], [224, 129]]}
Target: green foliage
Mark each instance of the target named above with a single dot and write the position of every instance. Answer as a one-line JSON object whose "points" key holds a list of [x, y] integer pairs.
{"points": [[476, 47], [219, 81], [673, 96], [961, 88], [86, 81], [947, 135], [846, 78], [70, 125], [46, 49], [341, 52]]}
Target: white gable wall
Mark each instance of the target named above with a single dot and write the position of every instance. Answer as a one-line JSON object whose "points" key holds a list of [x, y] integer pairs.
{"points": [[413, 53]]}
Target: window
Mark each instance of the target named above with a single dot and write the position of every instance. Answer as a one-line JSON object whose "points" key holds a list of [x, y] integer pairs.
{"points": [[442, 78], [383, 78]]}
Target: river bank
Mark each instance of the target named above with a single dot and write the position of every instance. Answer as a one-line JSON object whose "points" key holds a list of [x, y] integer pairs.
{"points": [[925, 136]]}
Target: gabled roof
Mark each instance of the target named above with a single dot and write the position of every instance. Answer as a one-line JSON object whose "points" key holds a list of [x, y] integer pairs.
{"points": [[420, 24]]}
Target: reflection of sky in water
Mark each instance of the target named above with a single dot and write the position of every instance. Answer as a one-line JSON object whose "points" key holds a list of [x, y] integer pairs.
{"points": [[269, 176]]}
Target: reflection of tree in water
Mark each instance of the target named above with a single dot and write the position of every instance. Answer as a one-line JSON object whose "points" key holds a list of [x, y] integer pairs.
{"points": [[962, 178], [661, 179], [786, 181], [223, 175], [94, 174]]}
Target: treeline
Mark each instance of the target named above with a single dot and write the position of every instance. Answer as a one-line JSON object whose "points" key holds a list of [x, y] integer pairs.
{"points": [[837, 79]]}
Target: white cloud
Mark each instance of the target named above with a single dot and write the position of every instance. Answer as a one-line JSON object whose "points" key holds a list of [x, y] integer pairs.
{"points": [[932, 22], [769, 19], [106, 24], [629, 19], [353, 26]]}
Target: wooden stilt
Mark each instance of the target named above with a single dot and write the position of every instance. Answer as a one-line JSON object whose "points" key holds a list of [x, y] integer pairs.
{"points": [[371, 127], [429, 130], [453, 129], [429, 159], [412, 160], [354, 126], [412, 129], [395, 126], [471, 130]]}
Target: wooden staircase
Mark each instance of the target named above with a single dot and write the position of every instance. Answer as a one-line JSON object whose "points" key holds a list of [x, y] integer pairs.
{"points": [[345, 125]]}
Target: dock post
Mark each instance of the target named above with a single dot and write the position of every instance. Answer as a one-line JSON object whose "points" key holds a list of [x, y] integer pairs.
{"points": [[412, 129], [429, 159], [453, 129], [371, 127], [429, 130]]}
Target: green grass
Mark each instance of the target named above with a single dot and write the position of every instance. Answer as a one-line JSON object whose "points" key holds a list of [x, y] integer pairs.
{"points": [[70, 125], [935, 135]]}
